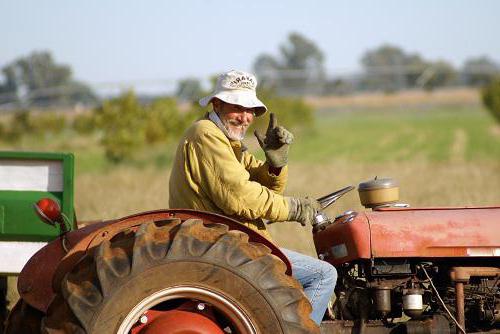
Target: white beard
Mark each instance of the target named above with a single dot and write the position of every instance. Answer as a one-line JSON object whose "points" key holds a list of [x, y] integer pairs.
{"points": [[232, 131]]}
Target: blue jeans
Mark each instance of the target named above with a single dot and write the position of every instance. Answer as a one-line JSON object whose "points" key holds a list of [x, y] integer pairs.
{"points": [[318, 279]]}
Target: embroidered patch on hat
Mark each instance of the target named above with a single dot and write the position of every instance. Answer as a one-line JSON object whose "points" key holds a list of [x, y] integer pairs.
{"points": [[242, 81]]}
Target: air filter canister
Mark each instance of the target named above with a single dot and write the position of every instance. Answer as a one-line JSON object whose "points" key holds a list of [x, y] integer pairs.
{"points": [[378, 192]]}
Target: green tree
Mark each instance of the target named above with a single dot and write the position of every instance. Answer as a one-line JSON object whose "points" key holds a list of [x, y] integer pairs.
{"points": [[480, 71], [189, 89], [390, 68], [338, 87], [491, 97], [267, 69], [40, 80], [441, 74], [122, 122], [163, 120], [300, 63]]}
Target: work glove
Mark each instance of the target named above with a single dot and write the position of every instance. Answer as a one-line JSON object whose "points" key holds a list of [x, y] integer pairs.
{"points": [[275, 143], [302, 210]]}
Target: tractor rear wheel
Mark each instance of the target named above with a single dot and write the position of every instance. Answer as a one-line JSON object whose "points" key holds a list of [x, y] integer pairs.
{"points": [[23, 319], [174, 277]]}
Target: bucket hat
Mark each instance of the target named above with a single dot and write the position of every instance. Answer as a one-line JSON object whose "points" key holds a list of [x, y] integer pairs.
{"points": [[237, 87]]}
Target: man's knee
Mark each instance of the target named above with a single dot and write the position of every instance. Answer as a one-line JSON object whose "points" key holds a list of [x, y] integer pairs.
{"points": [[329, 273]]}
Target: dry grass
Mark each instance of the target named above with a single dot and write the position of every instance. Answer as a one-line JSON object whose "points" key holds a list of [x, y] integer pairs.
{"points": [[443, 97], [120, 192]]}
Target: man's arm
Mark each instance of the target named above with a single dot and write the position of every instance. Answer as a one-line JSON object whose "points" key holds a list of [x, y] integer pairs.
{"points": [[227, 183], [274, 178]]}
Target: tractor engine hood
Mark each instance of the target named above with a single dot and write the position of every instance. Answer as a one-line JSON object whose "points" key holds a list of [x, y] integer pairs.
{"points": [[408, 232], [435, 232]]}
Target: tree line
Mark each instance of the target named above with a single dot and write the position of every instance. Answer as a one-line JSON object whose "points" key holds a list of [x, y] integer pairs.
{"points": [[297, 68], [38, 80]]}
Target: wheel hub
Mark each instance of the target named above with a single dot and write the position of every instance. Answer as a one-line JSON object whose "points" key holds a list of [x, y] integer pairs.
{"points": [[176, 322], [190, 318]]}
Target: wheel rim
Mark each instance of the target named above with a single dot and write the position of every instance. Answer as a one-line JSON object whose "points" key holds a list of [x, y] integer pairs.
{"points": [[230, 308]]}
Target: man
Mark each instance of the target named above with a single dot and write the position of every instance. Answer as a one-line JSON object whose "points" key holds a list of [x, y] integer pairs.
{"points": [[212, 171]]}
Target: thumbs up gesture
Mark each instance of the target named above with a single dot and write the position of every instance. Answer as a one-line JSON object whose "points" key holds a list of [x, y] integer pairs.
{"points": [[275, 143]]}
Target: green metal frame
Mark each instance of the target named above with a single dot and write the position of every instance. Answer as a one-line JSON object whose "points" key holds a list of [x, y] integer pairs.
{"points": [[18, 220]]}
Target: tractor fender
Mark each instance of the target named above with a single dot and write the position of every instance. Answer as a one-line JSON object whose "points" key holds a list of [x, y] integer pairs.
{"points": [[43, 273]]}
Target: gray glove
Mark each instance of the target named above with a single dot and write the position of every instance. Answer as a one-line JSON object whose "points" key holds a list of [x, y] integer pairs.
{"points": [[302, 210], [275, 143]]}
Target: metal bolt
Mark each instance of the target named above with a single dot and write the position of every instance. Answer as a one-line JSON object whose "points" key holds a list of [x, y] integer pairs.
{"points": [[200, 306], [143, 319]]}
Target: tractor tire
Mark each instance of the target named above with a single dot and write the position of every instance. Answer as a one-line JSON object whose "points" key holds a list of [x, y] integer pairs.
{"points": [[23, 319], [3, 302], [162, 265]]}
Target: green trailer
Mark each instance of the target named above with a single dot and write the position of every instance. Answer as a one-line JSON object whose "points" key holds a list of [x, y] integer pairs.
{"points": [[26, 177]]}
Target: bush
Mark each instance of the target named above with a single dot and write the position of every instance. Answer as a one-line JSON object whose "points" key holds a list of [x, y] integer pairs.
{"points": [[24, 122], [84, 123], [19, 125], [47, 122], [122, 122], [127, 125], [163, 120], [491, 98]]}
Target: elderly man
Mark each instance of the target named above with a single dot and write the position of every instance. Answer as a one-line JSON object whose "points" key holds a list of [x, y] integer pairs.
{"points": [[214, 172]]}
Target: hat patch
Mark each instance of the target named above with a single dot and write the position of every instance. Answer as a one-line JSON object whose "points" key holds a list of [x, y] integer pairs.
{"points": [[243, 82]]}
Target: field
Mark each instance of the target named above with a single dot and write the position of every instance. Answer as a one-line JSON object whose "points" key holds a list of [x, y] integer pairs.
{"points": [[444, 151]]}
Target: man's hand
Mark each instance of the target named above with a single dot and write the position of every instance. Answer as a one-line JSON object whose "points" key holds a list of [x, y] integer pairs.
{"points": [[302, 210], [275, 143]]}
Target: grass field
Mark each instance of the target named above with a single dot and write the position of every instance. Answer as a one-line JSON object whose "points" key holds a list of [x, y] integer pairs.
{"points": [[442, 154]]}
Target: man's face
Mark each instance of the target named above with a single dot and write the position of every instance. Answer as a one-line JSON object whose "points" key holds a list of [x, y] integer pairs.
{"points": [[236, 119]]}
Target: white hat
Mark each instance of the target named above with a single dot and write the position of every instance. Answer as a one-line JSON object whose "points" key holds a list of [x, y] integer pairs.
{"points": [[237, 87]]}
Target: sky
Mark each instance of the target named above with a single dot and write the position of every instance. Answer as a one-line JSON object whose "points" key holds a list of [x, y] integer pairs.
{"points": [[108, 42]]}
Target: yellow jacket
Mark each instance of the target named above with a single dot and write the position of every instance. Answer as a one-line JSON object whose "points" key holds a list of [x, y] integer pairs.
{"points": [[212, 173]]}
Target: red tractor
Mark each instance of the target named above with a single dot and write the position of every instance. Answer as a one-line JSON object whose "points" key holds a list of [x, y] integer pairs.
{"points": [[401, 270]]}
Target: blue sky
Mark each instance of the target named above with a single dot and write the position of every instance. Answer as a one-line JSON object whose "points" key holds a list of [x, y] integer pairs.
{"points": [[115, 41]]}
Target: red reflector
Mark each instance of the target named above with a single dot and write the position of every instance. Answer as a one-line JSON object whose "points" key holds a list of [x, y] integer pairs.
{"points": [[48, 210]]}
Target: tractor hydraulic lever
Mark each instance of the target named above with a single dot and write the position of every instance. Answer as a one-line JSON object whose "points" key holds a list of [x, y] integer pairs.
{"points": [[329, 199]]}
